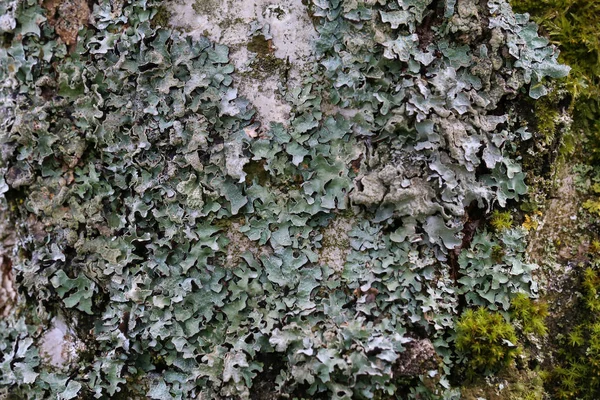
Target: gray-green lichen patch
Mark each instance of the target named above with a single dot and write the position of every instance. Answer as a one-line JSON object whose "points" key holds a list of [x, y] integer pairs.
{"points": [[184, 241], [261, 71], [466, 20]]}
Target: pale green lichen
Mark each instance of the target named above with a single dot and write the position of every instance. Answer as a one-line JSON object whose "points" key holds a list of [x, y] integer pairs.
{"points": [[185, 242]]}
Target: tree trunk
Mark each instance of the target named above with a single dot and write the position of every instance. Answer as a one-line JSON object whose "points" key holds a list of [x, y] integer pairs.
{"points": [[261, 199]]}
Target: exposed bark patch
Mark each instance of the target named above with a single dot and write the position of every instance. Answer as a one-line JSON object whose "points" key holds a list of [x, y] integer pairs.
{"points": [[434, 18], [265, 62], [59, 345], [265, 386], [67, 17], [559, 225], [8, 294], [336, 244], [8, 291], [240, 244], [418, 358], [474, 216]]}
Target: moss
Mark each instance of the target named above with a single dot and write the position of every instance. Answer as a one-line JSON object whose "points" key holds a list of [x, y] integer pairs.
{"points": [[484, 334], [515, 384], [206, 7], [501, 220], [577, 371], [260, 45], [530, 314], [228, 22], [498, 254], [592, 206], [224, 223], [266, 63], [595, 247], [572, 25], [486, 340], [269, 65], [546, 112]]}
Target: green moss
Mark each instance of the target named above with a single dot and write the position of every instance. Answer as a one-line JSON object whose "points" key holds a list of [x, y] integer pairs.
{"points": [[486, 340], [519, 384], [498, 254], [224, 223], [228, 22], [530, 314], [501, 220], [269, 64], [592, 206], [205, 6], [573, 26], [577, 371], [546, 112], [260, 45], [266, 63]]}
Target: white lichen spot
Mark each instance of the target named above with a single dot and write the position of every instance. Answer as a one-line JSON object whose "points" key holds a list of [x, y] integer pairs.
{"points": [[59, 344], [291, 38], [7, 23], [235, 160]]}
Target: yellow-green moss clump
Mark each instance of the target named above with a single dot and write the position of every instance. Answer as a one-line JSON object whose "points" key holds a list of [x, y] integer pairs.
{"points": [[501, 220], [497, 351], [487, 341], [530, 314]]}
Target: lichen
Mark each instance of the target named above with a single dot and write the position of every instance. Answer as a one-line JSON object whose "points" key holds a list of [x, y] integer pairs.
{"points": [[189, 227]]}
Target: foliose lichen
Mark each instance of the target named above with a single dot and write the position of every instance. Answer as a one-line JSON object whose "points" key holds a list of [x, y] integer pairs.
{"points": [[125, 159]]}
